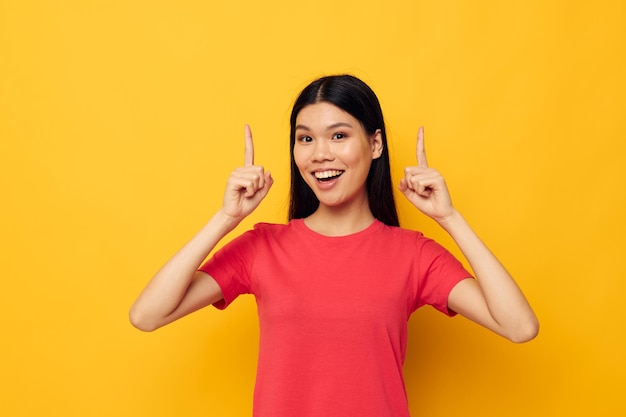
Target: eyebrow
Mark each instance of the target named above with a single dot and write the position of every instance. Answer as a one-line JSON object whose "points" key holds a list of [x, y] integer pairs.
{"points": [[330, 127]]}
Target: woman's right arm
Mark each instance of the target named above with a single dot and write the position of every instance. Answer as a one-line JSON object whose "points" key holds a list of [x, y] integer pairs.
{"points": [[178, 288]]}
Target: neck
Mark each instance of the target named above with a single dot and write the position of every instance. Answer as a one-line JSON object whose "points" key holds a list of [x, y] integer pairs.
{"points": [[340, 221]]}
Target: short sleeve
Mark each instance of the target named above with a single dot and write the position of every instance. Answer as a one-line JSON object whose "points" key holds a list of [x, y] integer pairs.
{"points": [[231, 267], [439, 273]]}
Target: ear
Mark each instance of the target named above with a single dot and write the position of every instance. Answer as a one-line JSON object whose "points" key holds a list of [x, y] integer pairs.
{"points": [[377, 144]]}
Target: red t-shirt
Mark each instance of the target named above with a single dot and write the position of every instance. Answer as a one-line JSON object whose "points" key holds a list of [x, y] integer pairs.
{"points": [[333, 313]]}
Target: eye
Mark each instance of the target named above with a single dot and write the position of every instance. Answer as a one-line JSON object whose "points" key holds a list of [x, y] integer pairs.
{"points": [[339, 135], [305, 139]]}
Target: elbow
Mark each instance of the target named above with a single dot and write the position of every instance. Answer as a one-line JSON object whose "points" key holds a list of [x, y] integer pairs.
{"points": [[140, 321], [526, 332]]}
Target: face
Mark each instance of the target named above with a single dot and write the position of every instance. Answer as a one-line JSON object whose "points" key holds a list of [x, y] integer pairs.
{"points": [[334, 154]]}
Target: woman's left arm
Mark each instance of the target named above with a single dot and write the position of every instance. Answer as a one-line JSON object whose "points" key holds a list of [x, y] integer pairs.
{"points": [[493, 300]]}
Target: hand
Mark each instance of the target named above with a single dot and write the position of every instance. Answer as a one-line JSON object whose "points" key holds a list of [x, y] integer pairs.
{"points": [[247, 185], [425, 187]]}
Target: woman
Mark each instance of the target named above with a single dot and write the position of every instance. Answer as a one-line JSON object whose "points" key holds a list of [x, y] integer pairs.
{"points": [[336, 285]]}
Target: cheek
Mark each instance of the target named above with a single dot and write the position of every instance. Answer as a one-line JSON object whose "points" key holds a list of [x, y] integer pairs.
{"points": [[356, 156], [300, 159]]}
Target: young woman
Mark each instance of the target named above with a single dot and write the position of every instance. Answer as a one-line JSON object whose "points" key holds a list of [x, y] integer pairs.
{"points": [[336, 285]]}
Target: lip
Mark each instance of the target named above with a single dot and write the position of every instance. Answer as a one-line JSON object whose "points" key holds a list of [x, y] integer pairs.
{"points": [[327, 173], [325, 185]]}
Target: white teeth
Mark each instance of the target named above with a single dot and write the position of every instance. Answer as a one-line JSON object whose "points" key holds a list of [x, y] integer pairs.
{"points": [[327, 174]]}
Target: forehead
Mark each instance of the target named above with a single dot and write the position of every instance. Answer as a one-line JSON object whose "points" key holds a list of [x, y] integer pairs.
{"points": [[324, 114]]}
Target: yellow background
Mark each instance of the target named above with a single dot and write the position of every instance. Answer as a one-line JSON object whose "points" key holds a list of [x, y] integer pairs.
{"points": [[121, 120]]}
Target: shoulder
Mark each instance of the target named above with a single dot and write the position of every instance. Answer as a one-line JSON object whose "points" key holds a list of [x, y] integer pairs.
{"points": [[252, 241], [411, 240], [395, 232], [258, 233], [272, 231], [270, 228]]}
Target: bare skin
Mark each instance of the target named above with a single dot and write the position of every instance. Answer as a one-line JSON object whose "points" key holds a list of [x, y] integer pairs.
{"points": [[178, 288], [331, 141], [492, 300]]}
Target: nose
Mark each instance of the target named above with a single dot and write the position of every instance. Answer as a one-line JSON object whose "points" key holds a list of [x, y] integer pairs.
{"points": [[322, 151]]}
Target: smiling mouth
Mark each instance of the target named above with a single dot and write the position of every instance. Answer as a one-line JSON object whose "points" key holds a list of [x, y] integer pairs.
{"points": [[324, 176]]}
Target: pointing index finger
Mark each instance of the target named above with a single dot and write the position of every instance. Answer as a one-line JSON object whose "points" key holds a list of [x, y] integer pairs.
{"points": [[249, 147], [421, 150]]}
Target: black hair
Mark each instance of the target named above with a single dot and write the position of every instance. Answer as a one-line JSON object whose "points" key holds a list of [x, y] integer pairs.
{"points": [[355, 97]]}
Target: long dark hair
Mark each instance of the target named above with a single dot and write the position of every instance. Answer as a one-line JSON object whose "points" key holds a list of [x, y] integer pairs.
{"points": [[357, 98]]}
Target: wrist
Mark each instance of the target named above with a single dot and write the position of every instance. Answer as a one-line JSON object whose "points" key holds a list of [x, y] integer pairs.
{"points": [[225, 221], [449, 221]]}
